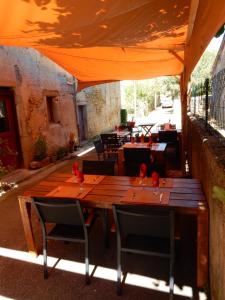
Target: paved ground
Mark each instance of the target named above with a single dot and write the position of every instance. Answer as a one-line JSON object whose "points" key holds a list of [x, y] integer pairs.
{"points": [[21, 275]]}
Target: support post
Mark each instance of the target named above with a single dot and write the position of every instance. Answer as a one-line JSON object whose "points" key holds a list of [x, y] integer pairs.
{"points": [[183, 90]]}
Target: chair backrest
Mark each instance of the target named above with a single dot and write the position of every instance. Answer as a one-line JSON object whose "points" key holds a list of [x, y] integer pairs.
{"points": [[133, 158], [140, 155], [99, 146], [167, 136], [59, 211], [108, 137], [153, 221], [98, 167]]}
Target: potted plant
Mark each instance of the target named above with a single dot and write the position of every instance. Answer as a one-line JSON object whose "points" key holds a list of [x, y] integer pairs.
{"points": [[71, 142], [40, 153], [61, 152], [123, 117]]}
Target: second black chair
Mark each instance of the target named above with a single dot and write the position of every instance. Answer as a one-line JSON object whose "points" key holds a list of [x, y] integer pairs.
{"points": [[147, 230], [98, 167], [133, 158]]}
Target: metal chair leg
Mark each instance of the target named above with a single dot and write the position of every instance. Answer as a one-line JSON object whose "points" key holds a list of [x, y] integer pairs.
{"points": [[87, 276], [119, 271], [45, 259]]}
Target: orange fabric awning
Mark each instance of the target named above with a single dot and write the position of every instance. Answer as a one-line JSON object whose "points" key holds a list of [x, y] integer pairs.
{"points": [[107, 40]]}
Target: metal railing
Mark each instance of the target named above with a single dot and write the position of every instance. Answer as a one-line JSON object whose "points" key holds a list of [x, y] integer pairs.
{"points": [[207, 103]]}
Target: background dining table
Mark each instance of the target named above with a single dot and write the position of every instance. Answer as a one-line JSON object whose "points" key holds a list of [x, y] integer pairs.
{"points": [[182, 194]]}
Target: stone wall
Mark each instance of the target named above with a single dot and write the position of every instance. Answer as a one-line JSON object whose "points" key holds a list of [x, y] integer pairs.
{"points": [[207, 162], [103, 107], [34, 77]]}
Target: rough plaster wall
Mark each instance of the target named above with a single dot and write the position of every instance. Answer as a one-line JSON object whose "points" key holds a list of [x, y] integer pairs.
{"points": [[208, 165], [103, 109], [34, 76], [218, 73]]}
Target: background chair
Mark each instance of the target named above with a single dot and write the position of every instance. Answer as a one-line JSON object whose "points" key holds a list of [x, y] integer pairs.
{"points": [[172, 150], [69, 225], [99, 148], [110, 141], [147, 230], [98, 167], [133, 158], [168, 136]]}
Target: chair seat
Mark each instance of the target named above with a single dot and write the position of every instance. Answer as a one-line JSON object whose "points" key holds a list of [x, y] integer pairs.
{"points": [[146, 245], [66, 233]]}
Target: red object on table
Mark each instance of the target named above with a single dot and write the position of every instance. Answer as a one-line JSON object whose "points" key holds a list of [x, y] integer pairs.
{"points": [[155, 179], [75, 168], [80, 176], [143, 170], [149, 140], [132, 139], [167, 126], [142, 138]]}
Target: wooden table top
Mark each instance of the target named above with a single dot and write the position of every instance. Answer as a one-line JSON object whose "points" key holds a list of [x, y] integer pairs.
{"points": [[154, 146], [184, 194], [121, 133]]}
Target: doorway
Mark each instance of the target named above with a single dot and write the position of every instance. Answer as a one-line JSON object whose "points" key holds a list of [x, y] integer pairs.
{"points": [[82, 122], [9, 138]]}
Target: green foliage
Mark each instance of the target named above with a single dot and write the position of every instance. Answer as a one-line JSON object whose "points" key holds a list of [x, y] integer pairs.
{"points": [[61, 152], [203, 68], [40, 148], [150, 92], [219, 193], [5, 150], [123, 116], [220, 31]]}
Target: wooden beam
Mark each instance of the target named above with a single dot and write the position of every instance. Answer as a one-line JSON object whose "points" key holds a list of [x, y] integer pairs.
{"points": [[177, 56], [191, 21]]}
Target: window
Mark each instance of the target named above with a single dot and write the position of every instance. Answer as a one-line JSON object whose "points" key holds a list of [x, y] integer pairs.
{"points": [[3, 117], [52, 109]]}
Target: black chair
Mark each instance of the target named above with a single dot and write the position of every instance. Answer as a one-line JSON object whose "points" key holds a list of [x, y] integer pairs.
{"points": [[168, 136], [110, 141], [98, 167], [99, 148], [147, 230], [172, 150], [133, 158], [69, 225]]}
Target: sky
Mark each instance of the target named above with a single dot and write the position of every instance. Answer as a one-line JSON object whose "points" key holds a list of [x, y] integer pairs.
{"points": [[215, 43]]}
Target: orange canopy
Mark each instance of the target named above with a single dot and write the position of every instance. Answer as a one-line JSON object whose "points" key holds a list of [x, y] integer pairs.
{"points": [[107, 40]]}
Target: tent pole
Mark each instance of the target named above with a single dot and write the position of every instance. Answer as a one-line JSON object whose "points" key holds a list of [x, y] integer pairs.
{"points": [[183, 91]]}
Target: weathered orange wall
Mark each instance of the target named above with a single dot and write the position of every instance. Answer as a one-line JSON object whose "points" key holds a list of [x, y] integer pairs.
{"points": [[207, 163]]}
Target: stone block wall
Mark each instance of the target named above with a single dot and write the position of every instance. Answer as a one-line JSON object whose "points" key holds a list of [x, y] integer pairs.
{"points": [[103, 107], [33, 77], [207, 162]]}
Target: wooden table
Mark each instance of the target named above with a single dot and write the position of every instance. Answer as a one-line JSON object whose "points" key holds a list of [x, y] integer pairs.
{"points": [[121, 133], [185, 195], [147, 128], [156, 148]]}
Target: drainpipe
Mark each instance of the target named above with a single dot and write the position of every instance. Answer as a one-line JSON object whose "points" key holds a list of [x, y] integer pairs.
{"points": [[75, 109]]}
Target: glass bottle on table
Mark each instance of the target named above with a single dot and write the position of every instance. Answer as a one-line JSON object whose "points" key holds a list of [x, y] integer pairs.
{"points": [[80, 180]]}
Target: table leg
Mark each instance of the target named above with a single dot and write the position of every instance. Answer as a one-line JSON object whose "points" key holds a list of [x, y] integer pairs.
{"points": [[25, 211], [202, 247], [120, 162]]}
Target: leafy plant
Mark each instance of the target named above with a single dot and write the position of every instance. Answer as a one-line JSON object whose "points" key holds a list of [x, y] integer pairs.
{"points": [[61, 152], [219, 193], [123, 116], [5, 150], [40, 148]]}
